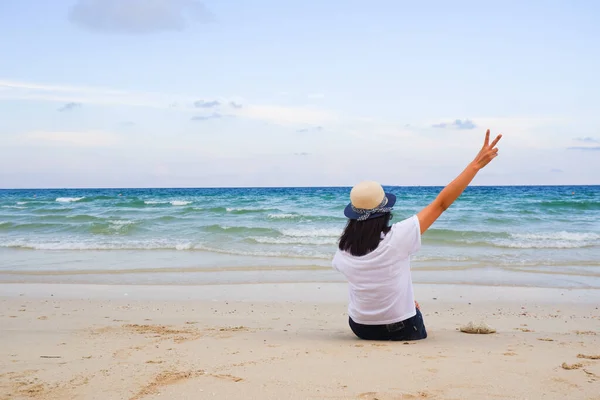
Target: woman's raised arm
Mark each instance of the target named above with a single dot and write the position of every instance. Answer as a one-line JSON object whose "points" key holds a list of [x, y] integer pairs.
{"points": [[431, 213]]}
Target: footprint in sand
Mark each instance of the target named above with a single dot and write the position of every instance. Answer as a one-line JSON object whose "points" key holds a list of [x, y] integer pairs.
{"points": [[571, 366], [165, 378], [589, 357]]}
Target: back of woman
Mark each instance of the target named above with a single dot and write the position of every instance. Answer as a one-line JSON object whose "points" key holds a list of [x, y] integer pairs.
{"points": [[374, 255]]}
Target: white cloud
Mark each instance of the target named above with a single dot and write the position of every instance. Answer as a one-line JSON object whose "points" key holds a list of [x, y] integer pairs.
{"points": [[79, 139], [281, 115], [17, 90], [137, 16]]}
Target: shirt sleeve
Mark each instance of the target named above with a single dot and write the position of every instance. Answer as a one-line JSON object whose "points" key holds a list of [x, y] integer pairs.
{"points": [[407, 235]]}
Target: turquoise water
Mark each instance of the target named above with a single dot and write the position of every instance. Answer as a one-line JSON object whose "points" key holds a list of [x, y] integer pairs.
{"points": [[495, 235]]}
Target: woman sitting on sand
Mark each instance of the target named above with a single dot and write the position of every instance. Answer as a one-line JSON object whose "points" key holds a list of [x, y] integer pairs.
{"points": [[375, 257]]}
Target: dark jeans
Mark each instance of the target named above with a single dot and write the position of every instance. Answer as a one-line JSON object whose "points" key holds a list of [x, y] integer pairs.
{"points": [[409, 329]]}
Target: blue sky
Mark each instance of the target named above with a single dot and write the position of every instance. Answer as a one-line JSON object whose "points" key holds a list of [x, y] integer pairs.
{"points": [[129, 93]]}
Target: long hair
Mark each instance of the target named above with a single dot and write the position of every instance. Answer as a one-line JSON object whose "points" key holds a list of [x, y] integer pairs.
{"points": [[362, 237]]}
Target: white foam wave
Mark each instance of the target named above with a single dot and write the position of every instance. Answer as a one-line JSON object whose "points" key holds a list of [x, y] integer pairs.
{"points": [[119, 224], [150, 245], [17, 207], [294, 240], [69, 199], [21, 202], [322, 232], [154, 202], [551, 240], [262, 253], [179, 202], [544, 245], [282, 216], [91, 245], [562, 235]]}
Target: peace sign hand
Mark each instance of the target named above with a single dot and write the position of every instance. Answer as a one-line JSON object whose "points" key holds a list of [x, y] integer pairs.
{"points": [[488, 152]]}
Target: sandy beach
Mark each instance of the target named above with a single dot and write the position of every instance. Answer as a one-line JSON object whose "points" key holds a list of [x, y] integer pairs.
{"points": [[291, 341]]}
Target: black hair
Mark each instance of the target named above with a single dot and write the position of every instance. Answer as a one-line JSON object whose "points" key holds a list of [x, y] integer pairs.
{"points": [[362, 237]]}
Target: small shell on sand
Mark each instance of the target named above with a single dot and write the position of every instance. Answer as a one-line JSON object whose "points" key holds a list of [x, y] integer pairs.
{"points": [[481, 328]]}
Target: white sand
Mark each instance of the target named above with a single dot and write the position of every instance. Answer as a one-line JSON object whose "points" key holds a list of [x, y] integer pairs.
{"points": [[290, 342]]}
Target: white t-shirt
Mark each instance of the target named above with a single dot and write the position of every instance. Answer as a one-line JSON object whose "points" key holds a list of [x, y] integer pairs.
{"points": [[380, 283]]}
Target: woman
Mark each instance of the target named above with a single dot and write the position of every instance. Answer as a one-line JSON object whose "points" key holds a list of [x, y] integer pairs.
{"points": [[375, 257]]}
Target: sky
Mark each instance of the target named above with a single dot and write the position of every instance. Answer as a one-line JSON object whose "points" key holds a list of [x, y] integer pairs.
{"points": [[187, 93]]}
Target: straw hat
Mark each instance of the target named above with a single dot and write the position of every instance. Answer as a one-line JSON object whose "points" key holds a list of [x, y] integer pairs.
{"points": [[369, 200]]}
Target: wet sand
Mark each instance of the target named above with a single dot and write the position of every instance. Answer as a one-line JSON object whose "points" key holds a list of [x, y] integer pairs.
{"points": [[291, 341]]}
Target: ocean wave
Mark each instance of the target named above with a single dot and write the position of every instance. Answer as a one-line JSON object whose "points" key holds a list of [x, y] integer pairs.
{"points": [[20, 203], [62, 210], [171, 202], [551, 240], [87, 245], [244, 210], [543, 245], [541, 240], [69, 199], [134, 203], [151, 246], [68, 219], [313, 232], [561, 235], [121, 223], [262, 253], [113, 227], [284, 216], [239, 230], [567, 204], [305, 240], [32, 226], [15, 207], [180, 202], [452, 234]]}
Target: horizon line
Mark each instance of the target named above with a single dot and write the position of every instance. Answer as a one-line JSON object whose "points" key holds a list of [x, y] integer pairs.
{"points": [[283, 187]]}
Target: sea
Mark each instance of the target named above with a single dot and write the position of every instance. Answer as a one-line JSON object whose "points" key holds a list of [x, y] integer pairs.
{"points": [[543, 236]]}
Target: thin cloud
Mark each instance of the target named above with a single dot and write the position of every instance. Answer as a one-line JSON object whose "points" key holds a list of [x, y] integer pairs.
{"points": [[313, 129], [206, 104], [15, 90], [556, 171], [78, 139], [69, 107], [587, 140], [127, 123], [137, 16], [235, 105], [584, 148], [207, 117], [456, 124], [275, 114], [303, 154]]}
